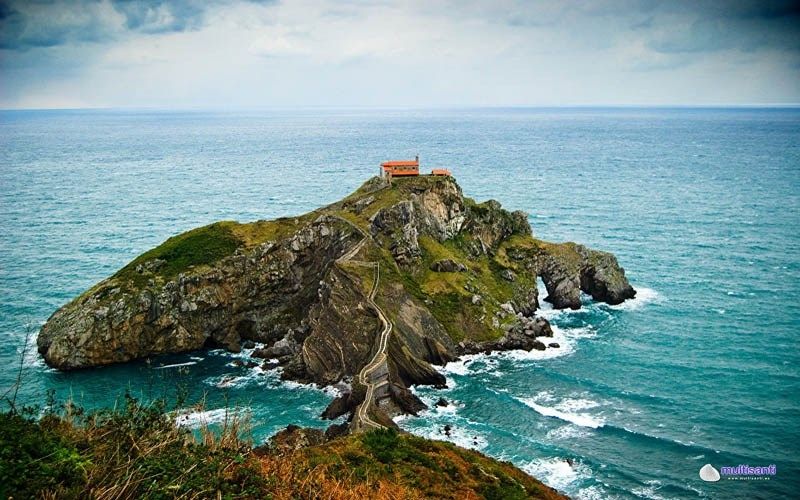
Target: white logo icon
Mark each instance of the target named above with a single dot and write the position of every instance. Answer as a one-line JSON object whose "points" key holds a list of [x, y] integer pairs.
{"points": [[709, 473]]}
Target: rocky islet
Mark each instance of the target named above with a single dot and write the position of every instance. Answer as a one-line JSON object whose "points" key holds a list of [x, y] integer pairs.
{"points": [[457, 277]]}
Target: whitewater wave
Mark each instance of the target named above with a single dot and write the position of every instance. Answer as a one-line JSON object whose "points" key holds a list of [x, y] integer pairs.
{"points": [[567, 410], [473, 364], [175, 365], [330, 390], [649, 490], [470, 364], [592, 493], [242, 354], [565, 337], [430, 423], [459, 367], [195, 419], [566, 432], [643, 297], [557, 472], [459, 434], [255, 375]]}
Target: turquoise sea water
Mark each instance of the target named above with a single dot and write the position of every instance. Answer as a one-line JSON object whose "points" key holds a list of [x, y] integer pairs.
{"points": [[699, 205]]}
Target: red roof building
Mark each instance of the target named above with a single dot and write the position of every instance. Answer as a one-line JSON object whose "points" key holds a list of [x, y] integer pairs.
{"points": [[400, 168]]}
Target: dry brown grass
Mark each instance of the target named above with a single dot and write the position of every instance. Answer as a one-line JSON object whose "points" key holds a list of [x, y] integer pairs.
{"points": [[296, 478]]}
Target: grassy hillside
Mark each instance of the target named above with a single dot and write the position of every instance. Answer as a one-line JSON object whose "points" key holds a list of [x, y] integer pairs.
{"points": [[138, 452]]}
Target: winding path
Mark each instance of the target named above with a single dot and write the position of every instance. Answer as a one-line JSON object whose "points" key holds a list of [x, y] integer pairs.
{"points": [[361, 419]]}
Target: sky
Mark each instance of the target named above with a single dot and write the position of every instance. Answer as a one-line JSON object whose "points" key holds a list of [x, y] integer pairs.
{"points": [[242, 54]]}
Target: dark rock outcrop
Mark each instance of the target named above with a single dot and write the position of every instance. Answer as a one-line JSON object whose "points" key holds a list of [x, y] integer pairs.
{"points": [[490, 224], [603, 278], [522, 334], [343, 404], [568, 269], [294, 437], [448, 266]]}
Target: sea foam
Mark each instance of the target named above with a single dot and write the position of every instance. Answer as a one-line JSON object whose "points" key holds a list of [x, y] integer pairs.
{"points": [[459, 435], [567, 410], [556, 472], [195, 419], [643, 297]]}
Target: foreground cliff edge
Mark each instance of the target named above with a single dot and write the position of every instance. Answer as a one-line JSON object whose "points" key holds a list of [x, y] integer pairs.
{"points": [[369, 291], [135, 451]]}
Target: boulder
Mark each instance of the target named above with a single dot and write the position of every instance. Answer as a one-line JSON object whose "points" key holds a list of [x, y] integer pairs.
{"points": [[448, 266], [293, 438], [508, 307], [603, 278], [508, 275], [406, 400]]}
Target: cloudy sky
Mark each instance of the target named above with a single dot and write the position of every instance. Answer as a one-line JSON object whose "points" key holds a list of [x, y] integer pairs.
{"points": [[246, 53]]}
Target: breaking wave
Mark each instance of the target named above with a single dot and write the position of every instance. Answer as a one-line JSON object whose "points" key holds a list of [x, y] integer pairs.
{"points": [[643, 297], [195, 419], [567, 410]]}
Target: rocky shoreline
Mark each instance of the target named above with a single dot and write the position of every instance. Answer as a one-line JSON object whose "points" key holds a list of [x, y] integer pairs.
{"points": [[457, 277]]}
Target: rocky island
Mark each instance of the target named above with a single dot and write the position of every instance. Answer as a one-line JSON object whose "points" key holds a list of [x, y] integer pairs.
{"points": [[368, 292]]}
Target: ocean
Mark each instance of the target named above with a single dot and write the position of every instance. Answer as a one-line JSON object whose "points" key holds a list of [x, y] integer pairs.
{"points": [[699, 205]]}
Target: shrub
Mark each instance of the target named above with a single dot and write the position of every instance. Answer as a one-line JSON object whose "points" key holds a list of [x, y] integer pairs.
{"points": [[35, 457], [136, 451]]}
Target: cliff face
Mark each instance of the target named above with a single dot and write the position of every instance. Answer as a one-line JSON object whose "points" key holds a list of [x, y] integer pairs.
{"points": [[255, 293], [454, 276]]}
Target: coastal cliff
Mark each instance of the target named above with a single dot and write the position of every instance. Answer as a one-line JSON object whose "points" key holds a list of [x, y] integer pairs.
{"points": [[450, 275]]}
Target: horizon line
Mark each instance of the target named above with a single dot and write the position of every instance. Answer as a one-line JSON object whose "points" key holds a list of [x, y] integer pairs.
{"points": [[414, 107]]}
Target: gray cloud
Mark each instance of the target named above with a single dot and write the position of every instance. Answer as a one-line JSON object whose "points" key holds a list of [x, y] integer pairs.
{"points": [[160, 16], [28, 24], [338, 52], [741, 25], [47, 24]]}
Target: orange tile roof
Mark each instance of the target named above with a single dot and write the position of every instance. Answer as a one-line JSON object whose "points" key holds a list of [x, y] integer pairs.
{"points": [[400, 163]]}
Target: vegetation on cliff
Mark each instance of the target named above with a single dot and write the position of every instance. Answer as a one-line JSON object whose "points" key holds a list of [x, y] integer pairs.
{"points": [[137, 451]]}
